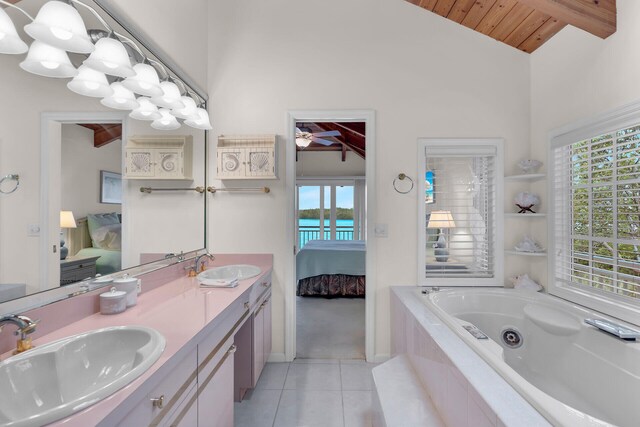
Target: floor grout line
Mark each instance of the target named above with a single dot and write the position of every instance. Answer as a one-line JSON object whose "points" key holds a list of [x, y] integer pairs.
{"points": [[275, 417]]}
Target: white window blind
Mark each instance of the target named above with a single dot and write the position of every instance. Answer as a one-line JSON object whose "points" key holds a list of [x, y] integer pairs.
{"points": [[463, 181], [596, 213]]}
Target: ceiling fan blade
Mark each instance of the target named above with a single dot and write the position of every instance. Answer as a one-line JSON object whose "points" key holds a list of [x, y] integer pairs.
{"points": [[328, 133], [323, 141]]}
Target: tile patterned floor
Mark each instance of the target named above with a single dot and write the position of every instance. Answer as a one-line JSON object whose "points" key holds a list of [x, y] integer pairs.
{"points": [[309, 392]]}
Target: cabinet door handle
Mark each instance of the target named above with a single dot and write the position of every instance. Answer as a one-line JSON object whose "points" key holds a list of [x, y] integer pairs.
{"points": [[158, 402], [246, 305], [232, 349], [265, 284]]}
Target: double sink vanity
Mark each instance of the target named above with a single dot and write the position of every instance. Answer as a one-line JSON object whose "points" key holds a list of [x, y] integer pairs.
{"points": [[180, 357]]}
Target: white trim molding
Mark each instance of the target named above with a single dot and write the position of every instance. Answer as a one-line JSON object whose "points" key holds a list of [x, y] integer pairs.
{"points": [[367, 116]]}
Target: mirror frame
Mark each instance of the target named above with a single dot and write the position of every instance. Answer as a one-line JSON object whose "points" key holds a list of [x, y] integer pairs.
{"points": [[60, 293]]}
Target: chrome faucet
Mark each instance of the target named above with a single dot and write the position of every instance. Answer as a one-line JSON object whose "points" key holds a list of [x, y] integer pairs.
{"points": [[430, 290], [25, 326], [196, 268]]}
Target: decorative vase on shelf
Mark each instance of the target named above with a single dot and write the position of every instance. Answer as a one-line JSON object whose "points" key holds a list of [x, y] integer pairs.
{"points": [[440, 249]]}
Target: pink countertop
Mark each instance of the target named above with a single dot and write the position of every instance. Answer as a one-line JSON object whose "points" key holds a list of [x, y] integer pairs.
{"points": [[179, 310]]}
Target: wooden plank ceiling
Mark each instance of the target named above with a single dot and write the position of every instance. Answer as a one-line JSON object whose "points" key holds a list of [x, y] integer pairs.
{"points": [[527, 24], [351, 138]]}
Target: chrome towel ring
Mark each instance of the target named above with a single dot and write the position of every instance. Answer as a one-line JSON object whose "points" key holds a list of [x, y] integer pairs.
{"points": [[402, 177], [12, 188]]}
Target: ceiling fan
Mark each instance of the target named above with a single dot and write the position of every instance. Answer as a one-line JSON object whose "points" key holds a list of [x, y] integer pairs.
{"points": [[304, 137]]}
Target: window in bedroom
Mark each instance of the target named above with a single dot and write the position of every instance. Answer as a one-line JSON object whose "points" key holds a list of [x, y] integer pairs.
{"points": [[460, 212], [328, 210], [596, 215]]}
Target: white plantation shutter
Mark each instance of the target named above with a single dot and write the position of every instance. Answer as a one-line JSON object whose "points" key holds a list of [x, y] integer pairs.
{"points": [[596, 213], [467, 182]]}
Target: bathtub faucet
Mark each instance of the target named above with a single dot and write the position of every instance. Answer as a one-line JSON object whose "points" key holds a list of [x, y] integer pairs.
{"points": [[615, 329], [430, 290]]}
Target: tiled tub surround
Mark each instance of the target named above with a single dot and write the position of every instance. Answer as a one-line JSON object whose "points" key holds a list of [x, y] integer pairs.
{"points": [[464, 389], [572, 373], [175, 305]]}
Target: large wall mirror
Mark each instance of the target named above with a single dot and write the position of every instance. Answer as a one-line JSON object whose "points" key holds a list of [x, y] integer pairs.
{"points": [[73, 159]]}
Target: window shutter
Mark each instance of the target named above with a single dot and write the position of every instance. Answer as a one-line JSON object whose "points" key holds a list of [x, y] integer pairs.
{"points": [[596, 214], [464, 184]]}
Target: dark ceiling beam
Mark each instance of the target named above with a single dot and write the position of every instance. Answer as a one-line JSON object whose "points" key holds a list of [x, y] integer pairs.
{"points": [[597, 17], [104, 134], [353, 139]]}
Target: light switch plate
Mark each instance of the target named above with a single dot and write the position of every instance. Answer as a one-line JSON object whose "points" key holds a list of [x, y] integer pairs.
{"points": [[381, 230]]}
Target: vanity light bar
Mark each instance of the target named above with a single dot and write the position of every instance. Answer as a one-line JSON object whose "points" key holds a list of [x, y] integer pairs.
{"points": [[58, 28]]}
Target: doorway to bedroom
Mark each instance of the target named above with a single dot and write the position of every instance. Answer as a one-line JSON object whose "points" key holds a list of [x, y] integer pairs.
{"points": [[330, 239]]}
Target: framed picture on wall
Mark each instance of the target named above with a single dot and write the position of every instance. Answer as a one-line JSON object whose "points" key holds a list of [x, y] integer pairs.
{"points": [[110, 187], [429, 193]]}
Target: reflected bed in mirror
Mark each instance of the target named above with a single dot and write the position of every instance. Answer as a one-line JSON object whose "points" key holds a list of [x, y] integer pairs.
{"points": [[61, 144]]}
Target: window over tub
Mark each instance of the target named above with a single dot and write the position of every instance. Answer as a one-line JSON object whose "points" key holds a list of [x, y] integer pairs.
{"points": [[594, 226], [460, 212]]}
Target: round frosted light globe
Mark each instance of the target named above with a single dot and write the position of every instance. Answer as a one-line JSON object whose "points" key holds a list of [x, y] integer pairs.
{"points": [[121, 99], [10, 42], [110, 57], [166, 122], [145, 82], [90, 82], [145, 111], [60, 25], [201, 121], [48, 61]]}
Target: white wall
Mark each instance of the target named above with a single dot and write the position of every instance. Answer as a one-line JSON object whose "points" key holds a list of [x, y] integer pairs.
{"points": [[329, 163], [179, 28], [576, 75], [80, 172], [423, 75]]}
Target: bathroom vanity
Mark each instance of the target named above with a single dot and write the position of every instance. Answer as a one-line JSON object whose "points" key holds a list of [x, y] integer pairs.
{"points": [[213, 335]]}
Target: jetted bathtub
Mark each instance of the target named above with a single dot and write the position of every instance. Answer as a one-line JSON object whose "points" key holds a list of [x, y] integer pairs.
{"points": [[572, 373]]}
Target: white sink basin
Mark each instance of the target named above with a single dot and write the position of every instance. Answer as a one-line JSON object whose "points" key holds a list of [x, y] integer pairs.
{"points": [[58, 379], [228, 273]]}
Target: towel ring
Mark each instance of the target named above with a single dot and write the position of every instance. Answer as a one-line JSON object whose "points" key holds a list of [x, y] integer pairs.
{"points": [[402, 177], [10, 177]]}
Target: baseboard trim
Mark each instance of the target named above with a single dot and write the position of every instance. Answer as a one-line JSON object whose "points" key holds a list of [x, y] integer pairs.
{"points": [[276, 358]]}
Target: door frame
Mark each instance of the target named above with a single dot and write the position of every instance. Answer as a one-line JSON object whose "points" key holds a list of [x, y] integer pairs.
{"points": [[367, 116], [47, 240]]}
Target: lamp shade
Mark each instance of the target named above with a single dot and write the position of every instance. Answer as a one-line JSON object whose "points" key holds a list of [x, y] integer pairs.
{"points": [[67, 220], [90, 82], [145, 111], [190, 108], [166, 122], [145, 82], [48, 61], [110, 57], [10, 42], [121, 99], [170, 97], [59, 24], [201, 121], [441, 219]]}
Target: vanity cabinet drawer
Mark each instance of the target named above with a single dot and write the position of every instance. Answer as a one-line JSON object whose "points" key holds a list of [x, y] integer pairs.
{"points": [[159, 406], [258, 290]]}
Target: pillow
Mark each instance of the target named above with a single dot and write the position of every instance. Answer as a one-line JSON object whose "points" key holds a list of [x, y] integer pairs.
{"points": [[107, 237], [95, 221]]}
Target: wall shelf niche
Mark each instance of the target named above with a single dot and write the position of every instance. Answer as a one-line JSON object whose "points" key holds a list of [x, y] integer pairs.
{"points": [[520, 253]]}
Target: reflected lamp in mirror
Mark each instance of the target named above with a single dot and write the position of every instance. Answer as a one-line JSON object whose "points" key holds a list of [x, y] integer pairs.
{"points": [[66, 221], [441, 220]]}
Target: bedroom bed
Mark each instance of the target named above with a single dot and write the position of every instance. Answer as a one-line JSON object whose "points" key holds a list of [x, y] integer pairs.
{"points": [[331, 268], [98, 235]]}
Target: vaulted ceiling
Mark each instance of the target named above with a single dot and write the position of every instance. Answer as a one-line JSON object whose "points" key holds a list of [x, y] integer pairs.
{"points": [[351, 138], [526, 24]]}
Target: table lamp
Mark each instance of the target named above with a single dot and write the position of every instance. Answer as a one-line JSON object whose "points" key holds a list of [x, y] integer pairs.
{"points": [[441, 220], [66, 221]]}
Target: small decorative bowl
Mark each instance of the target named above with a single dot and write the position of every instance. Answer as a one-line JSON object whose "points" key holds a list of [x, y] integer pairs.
{"points": [[529, 165]]}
